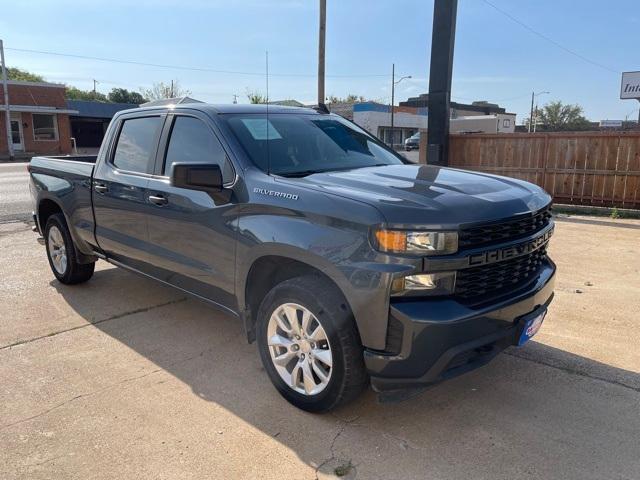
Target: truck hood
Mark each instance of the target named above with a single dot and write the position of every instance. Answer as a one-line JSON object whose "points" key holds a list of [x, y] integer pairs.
{"points": [[432, 196]]}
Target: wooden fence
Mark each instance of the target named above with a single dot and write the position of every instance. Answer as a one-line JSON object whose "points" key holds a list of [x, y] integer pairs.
{"points": [[590, 168]]}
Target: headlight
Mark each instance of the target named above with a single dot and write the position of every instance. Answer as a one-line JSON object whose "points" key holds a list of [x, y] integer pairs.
{"points": [[419, 243], [440, 283]]}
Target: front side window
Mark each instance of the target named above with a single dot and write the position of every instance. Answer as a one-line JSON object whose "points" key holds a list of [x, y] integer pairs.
{"points": [[136, 147], [44, 127], [192, 141], [297, 145]]}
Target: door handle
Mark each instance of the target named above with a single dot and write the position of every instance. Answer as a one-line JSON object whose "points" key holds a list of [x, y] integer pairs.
{"points": [[101, 188], [158, 200]]}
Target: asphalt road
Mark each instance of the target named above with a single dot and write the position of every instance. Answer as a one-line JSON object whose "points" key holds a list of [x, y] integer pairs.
{"points": [[122, 377], [15, 201]]}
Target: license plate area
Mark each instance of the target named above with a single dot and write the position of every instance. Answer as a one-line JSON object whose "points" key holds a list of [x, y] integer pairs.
{"points": [[531, 325]]}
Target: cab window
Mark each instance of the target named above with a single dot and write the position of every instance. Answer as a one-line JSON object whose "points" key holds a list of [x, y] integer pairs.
{"points": [[136, 146], [191, 141]]}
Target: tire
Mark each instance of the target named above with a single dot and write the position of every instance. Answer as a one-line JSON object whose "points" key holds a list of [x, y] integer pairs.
{"points": [[346, 376], [61, 253]]}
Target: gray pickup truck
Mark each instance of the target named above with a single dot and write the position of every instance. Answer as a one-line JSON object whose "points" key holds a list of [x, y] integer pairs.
{"points": [[348, 265]]}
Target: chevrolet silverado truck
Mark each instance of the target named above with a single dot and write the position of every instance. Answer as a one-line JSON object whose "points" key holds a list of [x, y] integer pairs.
{"points": [[347, 264]]}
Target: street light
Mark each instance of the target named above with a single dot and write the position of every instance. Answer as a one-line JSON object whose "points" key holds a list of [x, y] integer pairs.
{"points": [[393, 89], [533, 96]]}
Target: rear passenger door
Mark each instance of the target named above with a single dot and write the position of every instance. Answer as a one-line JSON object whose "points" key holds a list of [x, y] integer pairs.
{"points": [[191, 234], [119, 189]]}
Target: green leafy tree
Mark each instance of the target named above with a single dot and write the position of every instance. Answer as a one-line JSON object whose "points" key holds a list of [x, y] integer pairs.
{"points": [[350, 98], [74, 93], [20, 75], [161, 90], [556, 117], [122, 95], [256, 97]]}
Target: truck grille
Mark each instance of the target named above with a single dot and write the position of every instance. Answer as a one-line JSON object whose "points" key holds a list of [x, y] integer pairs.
{"points": [[489, 281], [504, 231]]}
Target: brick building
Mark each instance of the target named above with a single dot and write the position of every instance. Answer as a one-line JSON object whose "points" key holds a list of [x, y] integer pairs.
{"points": [[39, 120]]}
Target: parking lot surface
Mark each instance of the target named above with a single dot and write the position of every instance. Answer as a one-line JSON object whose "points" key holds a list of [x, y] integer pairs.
{"points": [[125, 378]]}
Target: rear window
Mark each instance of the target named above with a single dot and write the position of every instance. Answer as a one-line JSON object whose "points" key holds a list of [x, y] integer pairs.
{"points": [[136, 146]]}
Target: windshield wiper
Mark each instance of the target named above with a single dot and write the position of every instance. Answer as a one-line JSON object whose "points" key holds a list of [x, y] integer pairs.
{"points": [[300, 173], [304, 173]]}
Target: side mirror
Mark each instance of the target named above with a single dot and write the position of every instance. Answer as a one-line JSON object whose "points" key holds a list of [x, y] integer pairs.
{"points": [[197, 176]]}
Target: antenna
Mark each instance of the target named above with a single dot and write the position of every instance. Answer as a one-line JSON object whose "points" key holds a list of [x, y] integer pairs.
{"points": [[267, 120]]}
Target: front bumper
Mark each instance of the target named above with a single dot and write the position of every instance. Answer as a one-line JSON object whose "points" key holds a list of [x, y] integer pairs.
{"points": [[439, 339]]}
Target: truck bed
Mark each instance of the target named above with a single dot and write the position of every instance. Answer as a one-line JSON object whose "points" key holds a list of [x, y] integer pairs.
{"points": [[66, 181]]}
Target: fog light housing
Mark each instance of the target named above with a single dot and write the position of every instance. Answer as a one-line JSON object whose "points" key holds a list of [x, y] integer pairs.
{"points": [[439, 283]]}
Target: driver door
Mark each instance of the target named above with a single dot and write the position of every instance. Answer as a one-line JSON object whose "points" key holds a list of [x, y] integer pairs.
{"points": [[191, 235]]}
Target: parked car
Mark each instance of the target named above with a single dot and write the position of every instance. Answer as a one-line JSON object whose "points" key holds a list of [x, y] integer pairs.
{"points": [[347, 265], [413, 142]]}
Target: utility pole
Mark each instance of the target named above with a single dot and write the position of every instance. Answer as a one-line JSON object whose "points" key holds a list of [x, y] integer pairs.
{"points": [[533, 96], [94, 86], [321, 42], [531, 119], [171, 93], [6, 103], [393, 89], [441, 69]]}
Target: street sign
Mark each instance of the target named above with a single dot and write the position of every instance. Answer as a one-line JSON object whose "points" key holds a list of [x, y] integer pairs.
{"points": [[630, 87]]}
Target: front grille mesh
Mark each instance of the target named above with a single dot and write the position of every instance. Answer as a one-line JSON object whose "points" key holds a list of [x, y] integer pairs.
{"points": [[513, 229], [489, 281]]}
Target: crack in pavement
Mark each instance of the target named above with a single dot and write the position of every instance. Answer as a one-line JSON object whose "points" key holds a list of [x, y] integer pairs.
{"points": [[100, 390], [78, 327], [343, 427], [575, 372]]}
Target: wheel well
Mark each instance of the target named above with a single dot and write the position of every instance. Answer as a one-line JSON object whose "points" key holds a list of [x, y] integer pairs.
{"points": [[266, 273], [46, 208]]}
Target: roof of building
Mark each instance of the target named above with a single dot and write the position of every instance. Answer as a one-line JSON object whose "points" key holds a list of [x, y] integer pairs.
{"points": [[91, 109], [170, 101], [379, 107], [287, 103], [482, 106], [36, 84]]}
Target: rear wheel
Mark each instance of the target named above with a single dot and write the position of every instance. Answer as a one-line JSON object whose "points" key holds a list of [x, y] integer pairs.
{"points": [[62, 255], [309, 345]]}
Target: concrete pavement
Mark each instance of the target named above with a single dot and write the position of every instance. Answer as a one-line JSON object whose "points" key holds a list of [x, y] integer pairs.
{"points": [[125, 378]]}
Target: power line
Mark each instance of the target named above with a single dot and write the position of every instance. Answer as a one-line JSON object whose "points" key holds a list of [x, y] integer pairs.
{"points": [[550, 40], [183, 67]]}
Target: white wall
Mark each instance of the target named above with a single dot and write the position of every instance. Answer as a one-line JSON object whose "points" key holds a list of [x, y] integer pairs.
{"points": [[371, 120]]}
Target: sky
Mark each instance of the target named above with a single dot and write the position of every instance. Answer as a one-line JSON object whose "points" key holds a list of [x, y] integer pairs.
{"points": [[504, 50]]}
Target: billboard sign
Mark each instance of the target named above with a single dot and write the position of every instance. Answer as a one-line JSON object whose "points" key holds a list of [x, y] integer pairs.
{"points": [[611, 123], [630, 87]]}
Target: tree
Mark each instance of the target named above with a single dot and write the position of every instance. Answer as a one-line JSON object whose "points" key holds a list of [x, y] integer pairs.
{"points": [[556, 116], [350, 98], [256, 97], [20, 75], [161, 90], [74, 93], [122, 95]]}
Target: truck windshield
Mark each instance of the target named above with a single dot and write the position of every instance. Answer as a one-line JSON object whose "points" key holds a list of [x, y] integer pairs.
{"points": [[299, 145]]}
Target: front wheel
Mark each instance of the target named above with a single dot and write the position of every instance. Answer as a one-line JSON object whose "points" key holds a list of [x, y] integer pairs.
{"points": [[309, 344], [61, 253]]}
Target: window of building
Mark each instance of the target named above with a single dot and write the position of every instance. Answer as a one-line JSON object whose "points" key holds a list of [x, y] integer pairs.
{"points": [[506, 123], [45, 127], [136, 147], [192, 141]]}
